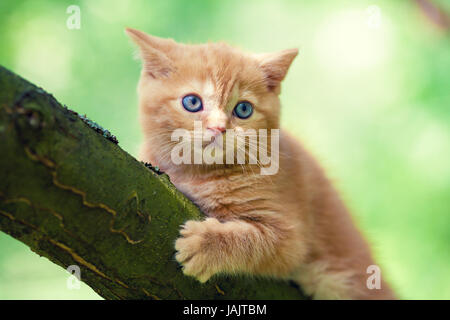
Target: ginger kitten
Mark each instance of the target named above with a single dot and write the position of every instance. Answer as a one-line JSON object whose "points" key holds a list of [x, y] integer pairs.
{"points": [[291, 224]]}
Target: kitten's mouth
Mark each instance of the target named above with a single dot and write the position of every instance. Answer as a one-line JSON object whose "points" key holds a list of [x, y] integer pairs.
{"points": [[214, 140]]}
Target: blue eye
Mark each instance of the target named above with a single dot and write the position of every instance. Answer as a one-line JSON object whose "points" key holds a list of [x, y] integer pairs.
{"points": [[243, 110], [192, 103]]}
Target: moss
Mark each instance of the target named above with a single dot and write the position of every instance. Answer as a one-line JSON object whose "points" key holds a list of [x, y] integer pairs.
{"points": [[153, 168], [105, 133]]}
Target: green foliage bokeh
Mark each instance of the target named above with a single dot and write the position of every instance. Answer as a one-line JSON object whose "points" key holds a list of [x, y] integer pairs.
{"points": [[370, 98]]}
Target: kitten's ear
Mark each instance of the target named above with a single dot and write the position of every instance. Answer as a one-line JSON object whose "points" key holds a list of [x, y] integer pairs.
{"points": [[275, 65], [153, 53]]}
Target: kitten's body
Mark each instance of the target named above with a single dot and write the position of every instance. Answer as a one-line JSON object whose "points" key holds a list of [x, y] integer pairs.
{"points": [[290, 225]]}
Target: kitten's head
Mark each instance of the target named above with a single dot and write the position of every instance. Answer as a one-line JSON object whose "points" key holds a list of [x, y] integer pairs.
{"points": [[214, 83]]}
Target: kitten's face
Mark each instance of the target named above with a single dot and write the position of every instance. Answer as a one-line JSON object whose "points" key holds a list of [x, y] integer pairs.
{"points": [[214, 83]]}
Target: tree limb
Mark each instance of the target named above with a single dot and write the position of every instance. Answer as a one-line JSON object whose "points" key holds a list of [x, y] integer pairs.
{"points": [[77, 198]]}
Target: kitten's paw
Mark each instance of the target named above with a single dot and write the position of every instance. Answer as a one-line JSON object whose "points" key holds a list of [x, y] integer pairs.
{"points": [[196, 255]]}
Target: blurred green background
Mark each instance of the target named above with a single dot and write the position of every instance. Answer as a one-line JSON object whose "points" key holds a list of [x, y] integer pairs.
{"points": [[369, 94]]}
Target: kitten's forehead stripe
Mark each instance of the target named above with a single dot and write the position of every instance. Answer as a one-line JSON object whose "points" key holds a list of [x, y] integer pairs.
{"points": [[223, 68], [227, 90], [228, 82]]}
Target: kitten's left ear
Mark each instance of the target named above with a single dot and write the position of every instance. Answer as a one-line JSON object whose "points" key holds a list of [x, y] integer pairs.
{"points": [[275, 66], [153, 52]]}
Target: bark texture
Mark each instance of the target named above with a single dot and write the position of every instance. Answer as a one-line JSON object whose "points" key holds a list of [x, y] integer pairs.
{"points": [[71, 194]]}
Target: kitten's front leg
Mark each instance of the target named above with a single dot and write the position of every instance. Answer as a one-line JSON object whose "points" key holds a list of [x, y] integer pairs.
{"points": [[238, 246]]}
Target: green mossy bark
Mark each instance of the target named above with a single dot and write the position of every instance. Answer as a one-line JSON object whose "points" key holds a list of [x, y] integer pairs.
{"points": [[77, 198]]}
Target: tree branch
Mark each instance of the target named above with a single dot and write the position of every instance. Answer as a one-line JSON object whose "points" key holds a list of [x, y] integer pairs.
{"points": [[75, 197]]}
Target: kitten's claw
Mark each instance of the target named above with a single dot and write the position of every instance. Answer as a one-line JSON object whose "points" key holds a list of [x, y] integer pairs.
{"points": [[192, 253]]}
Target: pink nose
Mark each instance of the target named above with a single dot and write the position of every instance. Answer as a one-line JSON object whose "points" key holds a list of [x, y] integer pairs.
{"points": [[217, 130]]}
